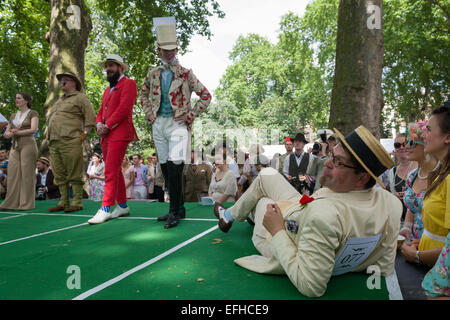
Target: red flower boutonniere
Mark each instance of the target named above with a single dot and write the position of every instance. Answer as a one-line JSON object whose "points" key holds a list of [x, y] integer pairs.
{"points": [[305, 200]]}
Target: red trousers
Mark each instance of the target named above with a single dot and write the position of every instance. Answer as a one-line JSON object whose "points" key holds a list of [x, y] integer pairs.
{"points": [[113, 153]]}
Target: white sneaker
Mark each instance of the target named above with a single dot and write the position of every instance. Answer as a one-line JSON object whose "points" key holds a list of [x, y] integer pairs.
{"points": [[100, 217], [120, 212]]}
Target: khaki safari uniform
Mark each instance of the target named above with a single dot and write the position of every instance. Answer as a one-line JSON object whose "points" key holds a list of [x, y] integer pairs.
{"points": [[196, 182], [66, 122]]}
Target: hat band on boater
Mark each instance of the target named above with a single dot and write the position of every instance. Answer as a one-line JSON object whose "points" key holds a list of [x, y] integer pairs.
{"points": [[167, 43], [364, 153]]}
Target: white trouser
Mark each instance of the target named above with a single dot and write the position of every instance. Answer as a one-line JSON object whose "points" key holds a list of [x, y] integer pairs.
{"points": [[269, 187], [140, 192], [171, 140]]}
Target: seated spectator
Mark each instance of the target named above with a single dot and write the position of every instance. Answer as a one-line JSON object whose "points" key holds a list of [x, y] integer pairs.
{"points": [[96, 173], [196, 179], [437, 281], [45, 186], [223, 186], [4, 155], [128, 175], [399, 172], [416, 182], [232, 164], [435, 212]]}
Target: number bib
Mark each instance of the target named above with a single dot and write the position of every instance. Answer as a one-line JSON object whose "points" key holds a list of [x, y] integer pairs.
{"points": [[354, 252]]}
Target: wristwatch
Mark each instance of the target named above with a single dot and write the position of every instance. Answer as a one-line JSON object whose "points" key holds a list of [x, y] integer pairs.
{"points": [[418, 258]]}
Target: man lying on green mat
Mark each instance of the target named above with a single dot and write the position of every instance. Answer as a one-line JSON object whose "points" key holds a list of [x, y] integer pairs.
{"points": [[348, 225]]}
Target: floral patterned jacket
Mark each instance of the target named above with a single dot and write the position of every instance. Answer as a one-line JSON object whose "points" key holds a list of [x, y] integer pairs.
{"points": [[183, 84]]}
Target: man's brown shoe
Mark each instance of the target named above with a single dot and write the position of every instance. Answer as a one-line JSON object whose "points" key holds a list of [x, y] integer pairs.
{"points": [[73, 208], [216, 209], [224, 224], [56, 209]]}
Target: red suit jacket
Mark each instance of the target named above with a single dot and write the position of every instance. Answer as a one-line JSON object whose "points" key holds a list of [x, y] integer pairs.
{"points": [[116, 110]]}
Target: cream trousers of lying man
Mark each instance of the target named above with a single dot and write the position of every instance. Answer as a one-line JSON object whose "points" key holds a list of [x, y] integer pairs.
{"points": [[349, 226]]}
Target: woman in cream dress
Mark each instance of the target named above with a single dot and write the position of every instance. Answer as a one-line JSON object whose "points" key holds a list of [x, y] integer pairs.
{"points": [[223, 186], [21, 180]]}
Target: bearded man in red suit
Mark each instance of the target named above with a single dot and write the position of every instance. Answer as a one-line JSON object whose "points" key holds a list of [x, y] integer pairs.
{"points": [[116, 130]]}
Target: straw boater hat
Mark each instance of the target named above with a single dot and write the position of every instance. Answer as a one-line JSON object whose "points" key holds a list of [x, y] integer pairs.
{"points": [[166, 34], [70, 75], [368, 151], [116, 59], [44, 160]]}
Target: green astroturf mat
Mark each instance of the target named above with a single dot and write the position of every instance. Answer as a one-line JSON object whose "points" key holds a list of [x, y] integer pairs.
{"points": [[38, 252]]}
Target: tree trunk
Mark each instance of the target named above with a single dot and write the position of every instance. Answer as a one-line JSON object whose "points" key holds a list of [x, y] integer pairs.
{"points": [[357, 97], [70, 25]]}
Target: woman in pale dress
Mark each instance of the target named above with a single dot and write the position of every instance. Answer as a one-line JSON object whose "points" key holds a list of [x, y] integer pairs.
{"points": [[223, 186], [96, 172], [128, 175], [21, 179]]}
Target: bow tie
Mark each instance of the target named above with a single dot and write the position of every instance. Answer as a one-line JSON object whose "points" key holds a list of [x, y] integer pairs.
{"points": [[172, 67]]}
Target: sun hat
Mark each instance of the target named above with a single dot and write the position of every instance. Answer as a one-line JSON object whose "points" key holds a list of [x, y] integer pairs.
{"points": [[114, 58], [71, 75], [367, 150]]}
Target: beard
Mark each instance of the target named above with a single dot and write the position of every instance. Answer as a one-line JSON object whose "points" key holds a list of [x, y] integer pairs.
{"points": [[113, 77]]}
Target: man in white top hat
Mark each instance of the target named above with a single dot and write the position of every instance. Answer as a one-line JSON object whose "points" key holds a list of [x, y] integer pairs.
{"points": [[166, 99], [116, 130]]}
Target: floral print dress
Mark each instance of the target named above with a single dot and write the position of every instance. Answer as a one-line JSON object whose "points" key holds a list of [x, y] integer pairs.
{"points": [[437, 281], [414, 202], [96, 186]]}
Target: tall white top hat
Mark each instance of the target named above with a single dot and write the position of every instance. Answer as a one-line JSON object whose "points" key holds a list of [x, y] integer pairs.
{"points": [[166, 34]]}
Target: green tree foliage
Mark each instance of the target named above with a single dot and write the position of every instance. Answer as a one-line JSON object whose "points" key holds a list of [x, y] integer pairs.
{"points": [[23, 53], [288, 84], [417, 60], [123, 27], [212, 125]]}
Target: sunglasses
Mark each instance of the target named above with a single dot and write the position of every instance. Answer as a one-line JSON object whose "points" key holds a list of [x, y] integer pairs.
{"points": [[413, 144], [398, 145]]}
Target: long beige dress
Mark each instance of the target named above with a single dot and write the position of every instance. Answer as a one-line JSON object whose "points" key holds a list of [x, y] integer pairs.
{"points": [[21, 180]]}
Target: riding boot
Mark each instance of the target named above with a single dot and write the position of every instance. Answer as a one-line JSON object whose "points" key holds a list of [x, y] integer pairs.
{"points": [[175, 192], [165, 173]]}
